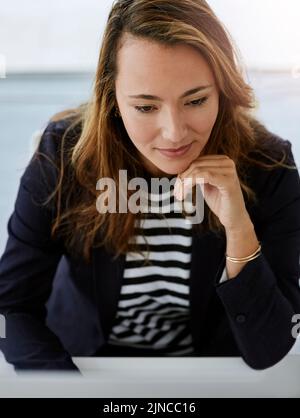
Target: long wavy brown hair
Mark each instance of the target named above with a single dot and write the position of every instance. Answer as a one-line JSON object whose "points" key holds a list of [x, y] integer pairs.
{"points": [[96, 144]]}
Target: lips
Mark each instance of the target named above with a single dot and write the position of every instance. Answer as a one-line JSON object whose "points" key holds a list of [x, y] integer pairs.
{"points": [[174, 149], [175, 152]]}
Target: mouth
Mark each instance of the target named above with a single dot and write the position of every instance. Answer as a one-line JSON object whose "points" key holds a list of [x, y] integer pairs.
{"points": [[175, 152]]}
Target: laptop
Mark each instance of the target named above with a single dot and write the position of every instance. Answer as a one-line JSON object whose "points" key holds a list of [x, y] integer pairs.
{"points": [[159, 377]]}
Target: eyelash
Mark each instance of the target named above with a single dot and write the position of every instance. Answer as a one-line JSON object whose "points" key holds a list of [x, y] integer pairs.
{"points": [[200, 102]]}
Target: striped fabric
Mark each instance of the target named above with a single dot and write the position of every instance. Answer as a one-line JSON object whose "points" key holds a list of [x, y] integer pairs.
{"points": [[153, 308]]}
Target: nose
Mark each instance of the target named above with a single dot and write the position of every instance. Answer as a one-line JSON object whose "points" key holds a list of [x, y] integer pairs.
{"points": [[174, 128]]}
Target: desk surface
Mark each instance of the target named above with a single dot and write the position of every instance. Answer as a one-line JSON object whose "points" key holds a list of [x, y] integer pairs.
{"points": [[161, 377]]}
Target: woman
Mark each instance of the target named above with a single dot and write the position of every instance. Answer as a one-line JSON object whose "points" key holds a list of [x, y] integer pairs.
{"points": [[134, 283]]}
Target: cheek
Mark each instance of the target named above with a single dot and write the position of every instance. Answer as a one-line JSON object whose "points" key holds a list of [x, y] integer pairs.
{"points": [[139, 133], [206, 120]]}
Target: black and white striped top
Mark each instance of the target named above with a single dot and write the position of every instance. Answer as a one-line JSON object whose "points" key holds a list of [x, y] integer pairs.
{"points": [[153, 309]]}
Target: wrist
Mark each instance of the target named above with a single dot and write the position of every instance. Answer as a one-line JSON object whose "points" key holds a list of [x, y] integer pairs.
{"points": [[242, 229], [241, 242]]}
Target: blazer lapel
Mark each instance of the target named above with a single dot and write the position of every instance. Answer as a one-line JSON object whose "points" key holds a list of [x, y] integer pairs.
{"points": [[107, 276], [206, 269]]}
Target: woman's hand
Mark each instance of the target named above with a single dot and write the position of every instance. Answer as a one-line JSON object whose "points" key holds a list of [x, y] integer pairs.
{"points": [[222, 191]]}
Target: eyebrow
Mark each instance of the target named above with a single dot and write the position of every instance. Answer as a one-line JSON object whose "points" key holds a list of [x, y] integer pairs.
{"points": [[187, 93]]}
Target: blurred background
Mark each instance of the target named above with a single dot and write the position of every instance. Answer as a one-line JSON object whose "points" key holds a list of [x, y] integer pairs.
{"points": [[48, 55]]}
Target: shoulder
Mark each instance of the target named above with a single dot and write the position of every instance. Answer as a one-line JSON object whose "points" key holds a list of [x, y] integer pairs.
{"points": [[270, 158], [278, 186], [41, 174], [268, 145], [53, 134]]}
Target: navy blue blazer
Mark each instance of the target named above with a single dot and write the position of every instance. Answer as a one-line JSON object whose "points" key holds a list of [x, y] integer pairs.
{"points": [[57, 305]]}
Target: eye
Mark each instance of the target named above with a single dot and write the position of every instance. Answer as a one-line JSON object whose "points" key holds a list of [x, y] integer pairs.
{"points": [[143, 109], [148, 109], [198, 102]]}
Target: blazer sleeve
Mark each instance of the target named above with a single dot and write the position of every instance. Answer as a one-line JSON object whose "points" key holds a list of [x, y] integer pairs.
{"points": [[263, 298], [28, 266]]}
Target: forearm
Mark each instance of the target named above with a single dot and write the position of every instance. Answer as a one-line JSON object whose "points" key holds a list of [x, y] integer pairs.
{"points": [[31, 345]]}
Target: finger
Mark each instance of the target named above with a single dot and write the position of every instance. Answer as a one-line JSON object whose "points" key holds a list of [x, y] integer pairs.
{"points": [[198, 169], [214, 157], [207, 164], [215, 179]]}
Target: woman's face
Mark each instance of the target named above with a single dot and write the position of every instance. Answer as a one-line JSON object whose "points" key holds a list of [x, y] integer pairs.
{"points": [[174, 118]]}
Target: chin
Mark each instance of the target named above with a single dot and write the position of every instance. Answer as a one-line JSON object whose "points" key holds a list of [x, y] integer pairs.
{"points": [[175, 170]]}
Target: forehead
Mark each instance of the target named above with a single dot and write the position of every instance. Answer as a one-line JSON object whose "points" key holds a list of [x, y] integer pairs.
{"points": [[147, 63]]}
